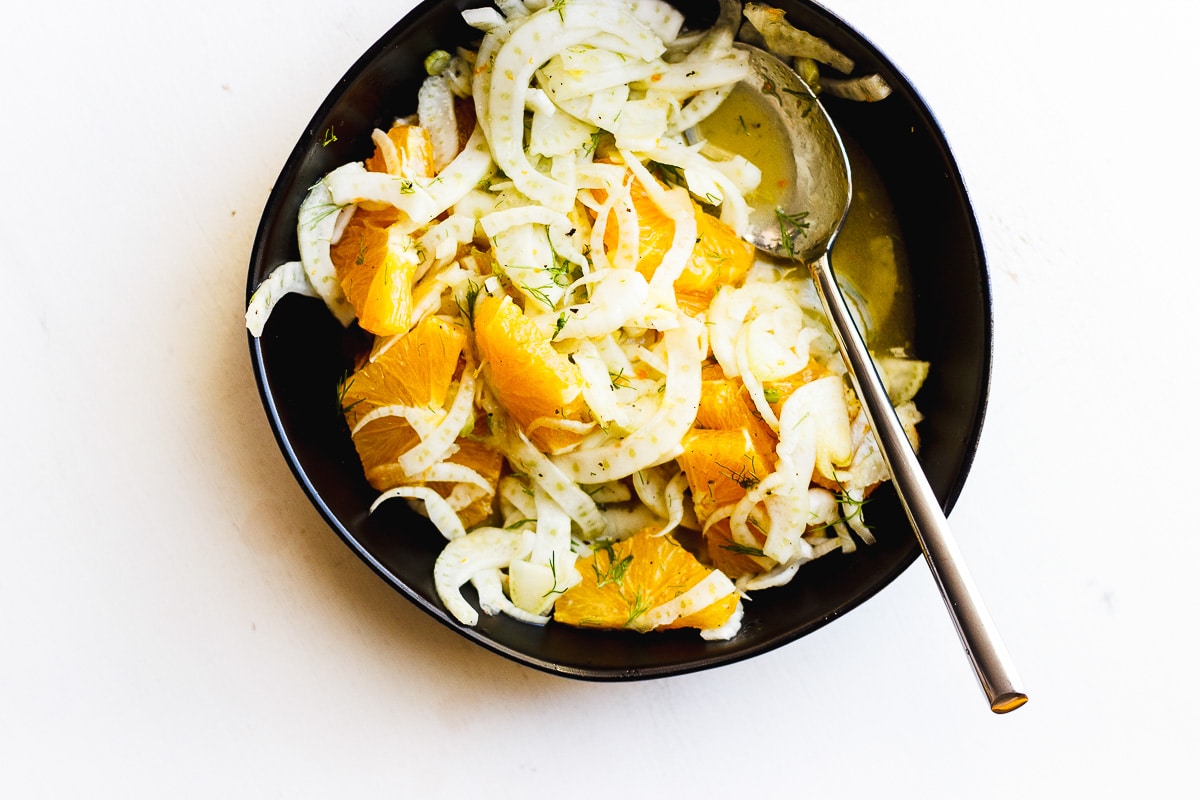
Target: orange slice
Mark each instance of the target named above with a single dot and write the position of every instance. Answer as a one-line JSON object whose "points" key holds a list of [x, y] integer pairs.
{"points": [[725, 404], [536, 385], [412, 154], [732, 558], [720, 466], [719, 257], [656, 231], [375, 262], [488, 462], [623, 584], [415, 370], [377, 266], [780, 390]]}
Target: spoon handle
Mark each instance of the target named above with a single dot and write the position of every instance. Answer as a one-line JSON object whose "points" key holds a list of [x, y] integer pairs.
{"points": [[993, 665]]}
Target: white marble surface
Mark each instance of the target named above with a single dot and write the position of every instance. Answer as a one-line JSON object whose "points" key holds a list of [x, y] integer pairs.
{"points": [[176, 621]]}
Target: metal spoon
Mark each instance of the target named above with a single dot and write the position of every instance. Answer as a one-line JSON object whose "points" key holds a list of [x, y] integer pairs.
{"points": [[802, 226]]}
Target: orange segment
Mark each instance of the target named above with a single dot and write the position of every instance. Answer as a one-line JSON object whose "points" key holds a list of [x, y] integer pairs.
{"points": [[488, 462], [377, 266], [622, 582], [719, 257], [726, 405], [362, 245], [730, 450], [379, 444], [780, 390], [375, 262], [711, 616], [413, 153], [711, 371], [656, 231], [720, 466], [535, 384], [732, 558], [416, 370]]}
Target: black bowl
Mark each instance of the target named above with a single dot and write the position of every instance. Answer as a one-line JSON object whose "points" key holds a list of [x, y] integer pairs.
{"points": [[304, 352]]}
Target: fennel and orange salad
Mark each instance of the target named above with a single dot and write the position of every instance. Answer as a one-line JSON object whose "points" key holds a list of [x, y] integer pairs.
{"points": [[617, 414]]}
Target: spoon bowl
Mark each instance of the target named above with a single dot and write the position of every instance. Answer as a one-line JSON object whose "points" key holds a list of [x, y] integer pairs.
{"points": [[802, 225]]}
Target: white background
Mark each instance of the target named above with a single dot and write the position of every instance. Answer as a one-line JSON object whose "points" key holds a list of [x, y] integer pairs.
{"points": [[177, 621]]}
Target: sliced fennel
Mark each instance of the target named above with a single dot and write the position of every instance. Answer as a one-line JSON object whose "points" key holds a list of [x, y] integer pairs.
{"points": [[288, 278]]}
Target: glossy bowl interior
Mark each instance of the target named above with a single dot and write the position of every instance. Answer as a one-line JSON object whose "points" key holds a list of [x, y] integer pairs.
{"points": [[304, 352]]}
